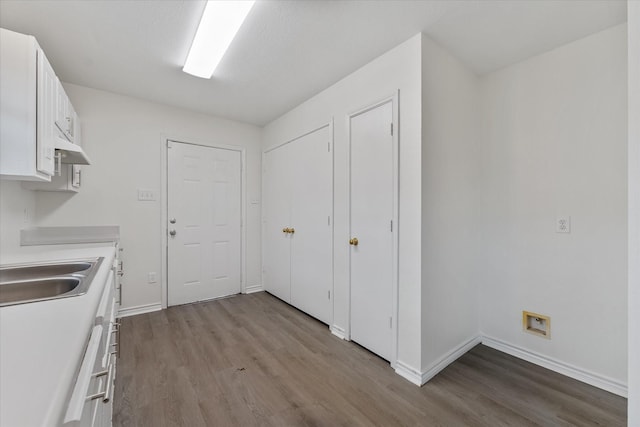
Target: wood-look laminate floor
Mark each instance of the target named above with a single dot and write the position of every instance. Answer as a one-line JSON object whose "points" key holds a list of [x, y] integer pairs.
{"points": [[254, 360]]}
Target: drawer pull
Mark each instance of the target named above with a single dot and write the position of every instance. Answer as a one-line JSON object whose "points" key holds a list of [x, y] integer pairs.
{"points": [[100, 374], [106, 394]]}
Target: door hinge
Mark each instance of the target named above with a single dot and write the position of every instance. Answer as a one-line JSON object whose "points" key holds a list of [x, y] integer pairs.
{"points": [[391, 225], [329, 146], [390, 322], [391, 129], [329, 220], [329, 294]]}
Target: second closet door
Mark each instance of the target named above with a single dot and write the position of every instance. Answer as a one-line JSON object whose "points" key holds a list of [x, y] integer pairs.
{"points": [[311, 209]]}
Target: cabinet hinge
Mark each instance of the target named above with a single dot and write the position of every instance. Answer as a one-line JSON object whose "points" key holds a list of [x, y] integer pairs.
{"points": [[329, 220], [391, 225], [391, 129]]}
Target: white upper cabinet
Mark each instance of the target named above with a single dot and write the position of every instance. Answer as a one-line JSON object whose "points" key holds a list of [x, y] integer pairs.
{"points": [[37, 121], [67, 177], [27, 109]]}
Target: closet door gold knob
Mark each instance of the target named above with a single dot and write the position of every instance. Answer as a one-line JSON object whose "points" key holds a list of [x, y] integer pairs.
{"points": [[353, 241], [285, 230], [292, 230]]}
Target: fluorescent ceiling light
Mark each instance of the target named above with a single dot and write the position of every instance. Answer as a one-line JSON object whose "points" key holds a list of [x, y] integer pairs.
{"points": [[219, 24]]}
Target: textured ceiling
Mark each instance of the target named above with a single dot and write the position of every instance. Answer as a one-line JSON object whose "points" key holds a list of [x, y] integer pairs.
{"points": [[287, 51]]}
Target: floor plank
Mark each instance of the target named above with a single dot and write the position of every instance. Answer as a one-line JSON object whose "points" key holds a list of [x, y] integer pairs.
{"points": [[252, 360]]}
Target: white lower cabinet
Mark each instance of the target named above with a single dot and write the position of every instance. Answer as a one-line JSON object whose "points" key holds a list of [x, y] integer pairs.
{"points": [[91, 403], [298, 223]]}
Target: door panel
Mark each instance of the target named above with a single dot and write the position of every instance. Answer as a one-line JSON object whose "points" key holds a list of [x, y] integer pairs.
{"points": [[277, 216], [311, 206], [371, 215], [46, 115], [204, 192]]}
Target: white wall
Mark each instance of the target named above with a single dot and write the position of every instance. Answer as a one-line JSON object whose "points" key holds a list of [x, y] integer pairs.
{"points": [[396, 69], [17, 211], [555, 143], [633, 16], [123, 138], [450, 199]]}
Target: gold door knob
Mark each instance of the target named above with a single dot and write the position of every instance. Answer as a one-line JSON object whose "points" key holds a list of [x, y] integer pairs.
{"points": [[292, 230], [285, 230], [353, 241]]}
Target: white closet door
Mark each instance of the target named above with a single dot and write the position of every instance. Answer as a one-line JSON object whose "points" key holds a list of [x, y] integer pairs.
{"points": [[204, 210], [277, 216], [371, 215], [311, 207]]}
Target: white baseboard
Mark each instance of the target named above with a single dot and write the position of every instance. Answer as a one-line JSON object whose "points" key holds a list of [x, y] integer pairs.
{"points": [[139, 309], [408, 373], [252, 289], [338, 331], [574, 372], [448, 359]]}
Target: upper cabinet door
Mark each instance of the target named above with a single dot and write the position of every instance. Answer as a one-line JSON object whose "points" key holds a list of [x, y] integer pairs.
{"points": [[47, 112], [66, 115]]}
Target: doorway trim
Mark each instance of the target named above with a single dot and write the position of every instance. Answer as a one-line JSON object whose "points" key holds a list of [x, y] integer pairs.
{"points": [[164, 203], [395, 217]]}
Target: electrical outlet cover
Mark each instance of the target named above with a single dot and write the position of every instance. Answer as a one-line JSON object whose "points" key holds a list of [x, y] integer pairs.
{"points": [[563, 224]]}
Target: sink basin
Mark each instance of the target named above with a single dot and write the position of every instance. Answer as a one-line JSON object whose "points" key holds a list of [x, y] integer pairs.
{"points": [[26, 283], [32, 290], [29, 272]]}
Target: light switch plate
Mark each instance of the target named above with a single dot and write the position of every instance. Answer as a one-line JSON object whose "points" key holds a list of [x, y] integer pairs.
{"points": [[146, 195]]}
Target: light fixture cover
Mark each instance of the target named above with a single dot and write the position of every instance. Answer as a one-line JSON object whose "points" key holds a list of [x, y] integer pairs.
{"points": [[219, 24]]}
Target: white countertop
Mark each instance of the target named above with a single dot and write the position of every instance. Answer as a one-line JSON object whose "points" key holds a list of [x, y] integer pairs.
{"points": [[42, 343]]}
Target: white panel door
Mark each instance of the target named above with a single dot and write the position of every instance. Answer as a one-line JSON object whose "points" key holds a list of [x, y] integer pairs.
{"points": [[311, 166], [371, 215], [277, 218], [204, 212]]}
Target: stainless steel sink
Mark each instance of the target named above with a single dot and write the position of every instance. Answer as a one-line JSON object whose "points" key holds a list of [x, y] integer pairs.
{"points": [[20, 284], [28, 272], [28, 290]]}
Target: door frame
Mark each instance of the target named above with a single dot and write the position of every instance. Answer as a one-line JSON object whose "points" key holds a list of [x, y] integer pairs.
{"points": [[396, 226], [164, 203], [328, 124]]}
